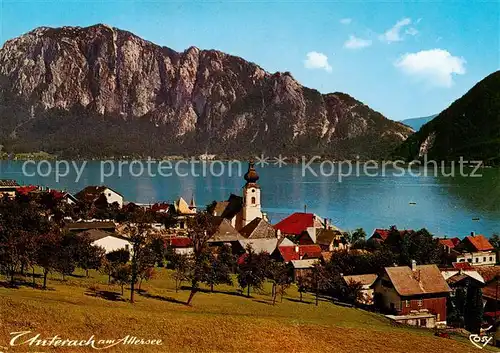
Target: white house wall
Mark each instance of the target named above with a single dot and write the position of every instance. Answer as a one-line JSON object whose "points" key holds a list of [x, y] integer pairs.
{"points": [[112, 243]]}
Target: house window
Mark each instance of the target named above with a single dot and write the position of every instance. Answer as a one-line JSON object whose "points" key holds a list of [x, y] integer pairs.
{"points": [[126, 247], [253, 190], [461, 260], [484, 259], [477, 259], [407, 303], [253, 200], [469, 260], [491, 258], [420, 302], [109, 194]]}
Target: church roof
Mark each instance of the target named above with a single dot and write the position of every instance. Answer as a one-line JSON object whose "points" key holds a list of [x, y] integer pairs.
{"points": [[182, 207], [258, 229], [225, 232], [234, 206]]}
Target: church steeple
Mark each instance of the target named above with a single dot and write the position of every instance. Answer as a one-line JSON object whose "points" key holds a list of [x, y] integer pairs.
{"points": [[251, 175], [251, 196]]}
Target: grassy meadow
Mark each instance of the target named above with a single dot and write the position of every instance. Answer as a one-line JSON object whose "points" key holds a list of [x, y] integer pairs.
{"points": [[224, 321]]}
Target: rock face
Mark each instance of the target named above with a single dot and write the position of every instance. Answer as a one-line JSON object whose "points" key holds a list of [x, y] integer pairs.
{"points": [[101, 91], [469, 128]]}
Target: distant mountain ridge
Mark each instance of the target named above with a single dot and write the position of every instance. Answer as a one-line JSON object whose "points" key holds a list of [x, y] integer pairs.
{"points": [[469, 128], [417, 123], [101, 91]]}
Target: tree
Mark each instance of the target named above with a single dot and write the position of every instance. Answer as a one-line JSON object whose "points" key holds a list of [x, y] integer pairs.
{"points": [[49, 250], [302, 285], [181, 265], [227, 258], [473, 313], [122, 275], [455, 307], [139, 234], [201, 228], [121, 256], [20, 222], [253, 270], [358, 238], [90, 257], [319, 280], [351, 292], [495, 241], [113, 259], [69, 251], [279, 274], [146, 275], [218, 271]]}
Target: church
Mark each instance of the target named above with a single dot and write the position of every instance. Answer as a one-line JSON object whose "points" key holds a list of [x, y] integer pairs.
{"points": [[242, 210]]}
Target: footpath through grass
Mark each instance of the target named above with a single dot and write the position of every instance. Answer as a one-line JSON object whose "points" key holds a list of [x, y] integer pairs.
{"points": [[224, 321]]}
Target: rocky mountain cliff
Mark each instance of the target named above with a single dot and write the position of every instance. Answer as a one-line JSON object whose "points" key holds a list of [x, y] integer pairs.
{"points": [[100, 91], [469, 128]]}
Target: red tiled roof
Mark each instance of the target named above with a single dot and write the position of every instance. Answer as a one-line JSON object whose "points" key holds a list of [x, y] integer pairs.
{"points": [[57, 194], [160, 206], [462, 266], [479, 242], [383, 233], [490, 291], [425, 279], [492, 313], [297, 222], [455, 241], [181, 242], [290, 253], [25, 190], [447, 242]]}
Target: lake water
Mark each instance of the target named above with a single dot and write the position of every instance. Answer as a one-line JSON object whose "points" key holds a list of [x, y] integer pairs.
{"points": [[452, 206]]}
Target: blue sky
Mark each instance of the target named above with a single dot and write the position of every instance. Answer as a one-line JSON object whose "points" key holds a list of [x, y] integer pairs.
{"points": [[404, 59]]}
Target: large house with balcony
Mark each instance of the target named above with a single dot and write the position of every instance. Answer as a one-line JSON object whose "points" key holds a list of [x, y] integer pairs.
{"points": [[414, 295]]}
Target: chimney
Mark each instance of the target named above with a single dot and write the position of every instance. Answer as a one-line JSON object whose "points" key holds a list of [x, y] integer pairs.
{"points": [[327, 223], [305, 208], [413, 265], [472, 234]]}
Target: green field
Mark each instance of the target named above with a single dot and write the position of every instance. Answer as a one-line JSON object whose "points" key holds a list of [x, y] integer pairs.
{"points": [[224, 321]]}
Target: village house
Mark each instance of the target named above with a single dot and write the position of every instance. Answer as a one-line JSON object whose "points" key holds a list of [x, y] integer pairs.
{"points": [[181, 245], [490, 291], [241, 210], [35, 190], [91, 194], [296, 252], [448, 244], [298, 223], [329, 239], [414, 295], [476, 250], [302, 268], [108, 241], [161, 207], [382, 235], [365, 296], [108, 226], [8, 188]]}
